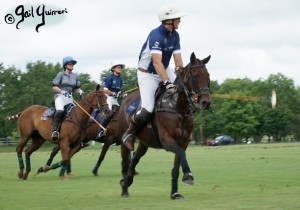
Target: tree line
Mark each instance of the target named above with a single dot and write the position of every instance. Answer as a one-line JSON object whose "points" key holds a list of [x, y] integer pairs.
{"points": [[238, 116]]}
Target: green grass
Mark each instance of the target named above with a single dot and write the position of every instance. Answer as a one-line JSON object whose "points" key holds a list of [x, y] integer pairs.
{"points": [[262, 176]]}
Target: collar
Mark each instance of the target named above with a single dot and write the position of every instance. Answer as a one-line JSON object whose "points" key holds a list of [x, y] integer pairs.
{"points": [[165, 31]]}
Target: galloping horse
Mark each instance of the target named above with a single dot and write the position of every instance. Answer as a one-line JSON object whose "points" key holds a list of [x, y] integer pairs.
{"points": [[171, 125], [31, 125], [91, 133]]}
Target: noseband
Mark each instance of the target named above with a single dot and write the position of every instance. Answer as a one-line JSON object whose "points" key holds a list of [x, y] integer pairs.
{"points": [[99, 107], [195, 95]]}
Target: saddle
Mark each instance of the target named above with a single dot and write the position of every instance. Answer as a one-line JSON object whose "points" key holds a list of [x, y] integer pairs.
{"points": [[132, 108], [49, 113]]}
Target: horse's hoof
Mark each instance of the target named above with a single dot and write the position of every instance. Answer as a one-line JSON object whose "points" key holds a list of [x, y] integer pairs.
{"points": [[188, 181], [125, 194], [71, 174], [94, 171], [20, 174], [25, 175], [46, 168], [176, 196], [63, 178], [40, 170], [188, 178]]}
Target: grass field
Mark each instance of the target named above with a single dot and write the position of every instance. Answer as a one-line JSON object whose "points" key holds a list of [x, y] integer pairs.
{"points": [[262, 176]]}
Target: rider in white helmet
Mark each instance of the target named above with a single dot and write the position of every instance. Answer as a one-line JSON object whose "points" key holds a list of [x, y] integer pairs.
{"points": [[161, 44], [112, 87]]}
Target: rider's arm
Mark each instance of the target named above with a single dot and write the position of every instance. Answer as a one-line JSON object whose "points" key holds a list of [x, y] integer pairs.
{"points": [[159, 67], [56, 89], [178, 60]]}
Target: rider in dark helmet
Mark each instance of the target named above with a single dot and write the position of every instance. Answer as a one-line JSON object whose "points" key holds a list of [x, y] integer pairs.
{"points": [[64, 85], [162, 43]]}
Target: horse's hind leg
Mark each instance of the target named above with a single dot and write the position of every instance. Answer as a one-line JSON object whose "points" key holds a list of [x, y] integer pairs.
{"points": [[19, 149], [37, 142], [101, 157], [54, 152]]}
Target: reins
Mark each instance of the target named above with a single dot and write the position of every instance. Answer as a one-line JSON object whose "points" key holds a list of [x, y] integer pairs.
{"points": [[98, 107]]}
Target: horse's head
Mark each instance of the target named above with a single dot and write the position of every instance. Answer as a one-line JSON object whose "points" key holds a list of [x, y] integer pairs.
{"points": [[98, 100], [195, 77]]}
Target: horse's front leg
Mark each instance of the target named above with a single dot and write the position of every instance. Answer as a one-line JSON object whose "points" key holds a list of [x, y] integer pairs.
{"points": [[140, 152], [175, 175], [180, 159], [54, 152], [64, 148], [102, 156]]}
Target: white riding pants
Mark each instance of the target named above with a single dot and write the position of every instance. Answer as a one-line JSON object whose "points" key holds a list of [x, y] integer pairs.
{"points": [[61, 101], [148, 83], [111, 101]]}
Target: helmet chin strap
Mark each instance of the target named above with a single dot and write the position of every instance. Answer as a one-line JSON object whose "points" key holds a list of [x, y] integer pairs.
{"points": [[171, 24]]}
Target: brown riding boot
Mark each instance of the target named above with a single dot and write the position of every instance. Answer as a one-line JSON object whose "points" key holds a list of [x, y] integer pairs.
{"points": [[129, 136]]}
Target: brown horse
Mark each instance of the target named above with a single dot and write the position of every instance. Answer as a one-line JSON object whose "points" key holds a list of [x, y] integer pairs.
{"points": [[91, 133], [172, 123], [31, 125]]}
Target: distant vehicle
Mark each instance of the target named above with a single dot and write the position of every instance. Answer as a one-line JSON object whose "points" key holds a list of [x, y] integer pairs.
{"points": [[222, 140]]}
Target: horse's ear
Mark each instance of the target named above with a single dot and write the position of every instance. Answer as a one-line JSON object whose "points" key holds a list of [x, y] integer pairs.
{"points": [[205, 60], [98, 87], [193, 58]]}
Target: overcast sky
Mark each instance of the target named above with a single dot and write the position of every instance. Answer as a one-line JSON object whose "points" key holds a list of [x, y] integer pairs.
{"points": [[246, 38]]}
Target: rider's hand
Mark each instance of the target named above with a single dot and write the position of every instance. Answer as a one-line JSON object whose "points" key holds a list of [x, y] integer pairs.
{"points": [[170, 87], [118, 94], [114, 95], [81, 92]]}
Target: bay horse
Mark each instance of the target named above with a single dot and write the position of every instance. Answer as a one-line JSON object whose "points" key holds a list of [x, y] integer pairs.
{"points": [[31, 125], [172, 123], [91, 133]]}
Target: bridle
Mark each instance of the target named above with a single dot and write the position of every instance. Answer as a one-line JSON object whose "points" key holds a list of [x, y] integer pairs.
{"points": [[100, 107], [193, 95]]}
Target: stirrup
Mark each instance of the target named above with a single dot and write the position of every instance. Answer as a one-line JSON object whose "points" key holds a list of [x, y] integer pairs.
{"points": [[55, 135], [101, 134], [129, 142]]}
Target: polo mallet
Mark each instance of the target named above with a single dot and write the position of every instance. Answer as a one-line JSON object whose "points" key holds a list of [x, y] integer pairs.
{"points": [[77, 104], [273, 99]]}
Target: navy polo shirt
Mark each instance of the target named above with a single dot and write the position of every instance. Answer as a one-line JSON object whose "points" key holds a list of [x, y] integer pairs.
{"points": [[113, 83], [160, 41]]}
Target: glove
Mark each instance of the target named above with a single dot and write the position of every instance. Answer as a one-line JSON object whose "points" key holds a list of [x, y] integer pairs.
{"points": [[114, 95], [118, 94], [178, 69], [81, 92], [170, 87]]}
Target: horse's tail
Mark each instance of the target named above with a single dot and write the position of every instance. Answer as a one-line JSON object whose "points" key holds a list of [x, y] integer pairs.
{"points": [[13, 117]]}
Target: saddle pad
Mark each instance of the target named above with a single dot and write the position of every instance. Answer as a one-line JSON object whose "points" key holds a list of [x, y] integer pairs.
{"points": [[132, 108], [95, 115], [48, 113]]}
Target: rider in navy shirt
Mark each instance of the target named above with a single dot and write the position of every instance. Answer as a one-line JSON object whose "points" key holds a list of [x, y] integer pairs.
{"points": [[161, 44], [112, 87]]}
